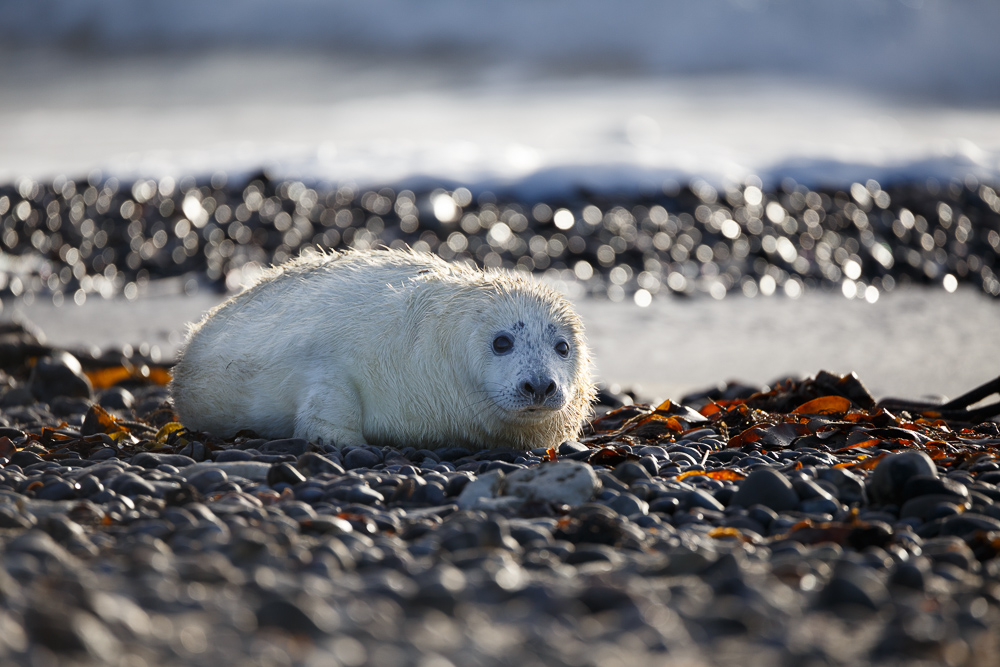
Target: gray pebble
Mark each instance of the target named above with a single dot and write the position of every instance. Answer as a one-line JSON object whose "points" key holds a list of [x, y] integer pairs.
{"points": [[311, 464], [57, 489], [292, 446], [629, 505], [130, 484], [766, 487], [359, 457], [887, 481], [206, 479], [153, 460]]}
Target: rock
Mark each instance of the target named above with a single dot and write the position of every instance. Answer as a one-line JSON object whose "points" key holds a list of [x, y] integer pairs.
{"points": [[485, 487], [968, 523], [233, 455], [130, 484], [572, 447], [852, 587], [284, 473], [205, 479], [311, 464], [24, 458], [58, 375], [766, 487], [57, 490], [70, 631], [195, 449], [850, 487], [291, 446], [364, 495], [920, 485], [629, 471], [41, 545], [154, 459], [564, 482], [306, 614], [932, 506], [116, 398], [887, 481], [253, 470], [10, 518], [699, 498], [629, 505], [359, 457]]}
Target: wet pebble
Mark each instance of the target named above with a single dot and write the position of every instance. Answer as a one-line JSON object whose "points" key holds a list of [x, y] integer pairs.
{"points": [[766, 487]]}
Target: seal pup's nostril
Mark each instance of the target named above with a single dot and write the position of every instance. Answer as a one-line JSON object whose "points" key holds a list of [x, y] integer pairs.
{"points": [[534, 390]]}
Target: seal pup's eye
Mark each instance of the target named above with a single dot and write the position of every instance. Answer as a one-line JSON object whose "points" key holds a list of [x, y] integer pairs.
{"points": [[562, 348], [502, 344]]}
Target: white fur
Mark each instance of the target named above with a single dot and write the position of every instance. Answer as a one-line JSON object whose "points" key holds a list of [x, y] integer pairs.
{"points": [[386, 347]]}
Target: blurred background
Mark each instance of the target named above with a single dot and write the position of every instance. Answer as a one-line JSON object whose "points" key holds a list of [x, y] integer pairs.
{"points": [[535, 100]]}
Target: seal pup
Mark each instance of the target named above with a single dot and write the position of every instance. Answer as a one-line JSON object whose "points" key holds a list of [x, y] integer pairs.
{"points": [[389, 347]]}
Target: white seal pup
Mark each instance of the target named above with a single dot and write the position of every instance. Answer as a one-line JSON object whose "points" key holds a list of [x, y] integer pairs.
{"points": [[389, 347]]}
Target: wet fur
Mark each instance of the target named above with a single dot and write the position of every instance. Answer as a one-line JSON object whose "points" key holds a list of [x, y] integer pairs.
{"points": [[381, 347]]}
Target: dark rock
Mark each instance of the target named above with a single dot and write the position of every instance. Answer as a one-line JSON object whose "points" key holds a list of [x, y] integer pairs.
{"points": [[364, 495], [41, 545], [572, 447], [203, 480], [70, 631], [16, 396], [233, 455], [766, 487], [130, 484], [24, 458], [910, 574], [58, 375], [964, 524], [359, 457], [854, 587], [920, 485], [930, 507], [66, 406], [306, 615], [311, 464], [284, 473], [11, 518], [664, 505], [89, 485], [850, 488], [289, 446], [57, 489], [629, 471], [888, 480], [116, 398], [195, 449], [154, 460], [699, 498], [628, 505]]}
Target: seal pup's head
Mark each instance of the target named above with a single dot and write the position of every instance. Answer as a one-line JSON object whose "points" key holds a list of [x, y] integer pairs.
{"points": [[533, 364]]}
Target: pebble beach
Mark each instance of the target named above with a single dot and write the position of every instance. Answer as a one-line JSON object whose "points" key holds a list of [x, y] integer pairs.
{"points": [[779, 222], [797, 523], [803, 525]]}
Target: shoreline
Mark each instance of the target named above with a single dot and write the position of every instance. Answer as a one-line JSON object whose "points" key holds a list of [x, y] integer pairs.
{"points": [[913, 342]]}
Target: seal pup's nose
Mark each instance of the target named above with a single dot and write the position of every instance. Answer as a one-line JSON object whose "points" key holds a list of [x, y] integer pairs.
{"points": [[538, 388]]}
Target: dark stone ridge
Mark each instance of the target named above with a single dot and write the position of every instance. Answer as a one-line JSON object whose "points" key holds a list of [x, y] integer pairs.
{"points": [[683, 240]]}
